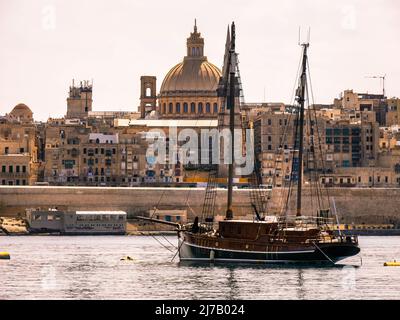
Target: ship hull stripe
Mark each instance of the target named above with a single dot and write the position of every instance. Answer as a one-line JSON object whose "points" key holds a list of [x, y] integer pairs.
{"points": [[255, 252]]}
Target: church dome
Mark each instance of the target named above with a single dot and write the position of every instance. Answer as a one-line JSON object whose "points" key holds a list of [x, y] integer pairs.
{"points": [[195, 74], [21, 107], [191, 75], [22, 112]]}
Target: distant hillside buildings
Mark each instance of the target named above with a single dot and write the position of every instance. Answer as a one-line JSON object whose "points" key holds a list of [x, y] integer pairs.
{"points": [[359, 135]]}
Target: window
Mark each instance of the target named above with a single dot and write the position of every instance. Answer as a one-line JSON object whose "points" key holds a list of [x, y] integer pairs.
{"points": [[185, 108], [200, 107], [10, 169], [178, 107], [346, 163], [170, 108], [192, 107], [17, 169], [148, 92], [269, 122], [84, 150], [208, 108], [23, 169], [3, 168], [215, 107], [21, 150], [164, 108]]}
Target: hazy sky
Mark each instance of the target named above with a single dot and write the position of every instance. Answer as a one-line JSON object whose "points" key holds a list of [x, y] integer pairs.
{"points": [[46, 43]]}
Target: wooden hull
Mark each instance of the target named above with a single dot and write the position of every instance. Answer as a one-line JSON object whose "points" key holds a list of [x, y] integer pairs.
{"points": [[322, 253]]}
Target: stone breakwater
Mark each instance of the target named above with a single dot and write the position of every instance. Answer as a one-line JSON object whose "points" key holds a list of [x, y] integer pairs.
{"points": [[354, 205]]}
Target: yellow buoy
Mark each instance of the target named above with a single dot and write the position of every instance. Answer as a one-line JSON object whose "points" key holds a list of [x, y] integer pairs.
{"points": [[127, 258], [4, 255], [392, 264]]}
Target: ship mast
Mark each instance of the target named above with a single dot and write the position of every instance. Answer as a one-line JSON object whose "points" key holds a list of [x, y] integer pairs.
{"points": [[301, 100], [231, 108]]}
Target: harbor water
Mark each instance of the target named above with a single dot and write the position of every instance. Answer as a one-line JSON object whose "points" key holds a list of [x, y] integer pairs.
{"points": [[90, 267]]}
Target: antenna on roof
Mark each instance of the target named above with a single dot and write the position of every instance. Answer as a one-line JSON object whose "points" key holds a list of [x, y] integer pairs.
{"points": [[383, 78]]}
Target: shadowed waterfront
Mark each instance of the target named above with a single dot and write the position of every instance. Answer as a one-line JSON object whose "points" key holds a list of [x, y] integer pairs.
{"points": [[89, 267]]}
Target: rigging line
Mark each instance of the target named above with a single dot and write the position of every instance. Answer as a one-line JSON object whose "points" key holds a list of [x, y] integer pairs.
{"points": [[165, 238], [293, 164], [326, 256], [311, 136], [317, 184], [158, 203], [284, 136], [318, 135], [162, 243], [177, 251]]}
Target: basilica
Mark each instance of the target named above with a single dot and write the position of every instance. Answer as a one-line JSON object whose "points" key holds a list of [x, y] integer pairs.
{"points": [[189, 89]]}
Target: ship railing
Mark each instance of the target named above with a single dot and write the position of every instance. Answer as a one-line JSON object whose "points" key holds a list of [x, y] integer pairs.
{"points": [[337, 239], [306, 221]]}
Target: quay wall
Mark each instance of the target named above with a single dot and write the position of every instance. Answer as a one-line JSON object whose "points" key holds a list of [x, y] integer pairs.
{"points": [[354, 205]]}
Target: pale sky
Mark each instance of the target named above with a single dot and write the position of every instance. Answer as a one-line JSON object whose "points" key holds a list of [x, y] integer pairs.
{"points": [[46, 43]]}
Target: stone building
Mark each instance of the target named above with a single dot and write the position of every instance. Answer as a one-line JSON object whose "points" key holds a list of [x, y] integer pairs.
{"points": [[79, 101], [18, 148], [350, 100], [332, 141]]}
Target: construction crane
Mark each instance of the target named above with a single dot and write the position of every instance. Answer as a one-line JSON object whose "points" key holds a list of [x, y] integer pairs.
{"points": [[383, 81]]}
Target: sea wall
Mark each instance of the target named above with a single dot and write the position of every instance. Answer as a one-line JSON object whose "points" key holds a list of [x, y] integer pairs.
{"points": [[353, 204]]}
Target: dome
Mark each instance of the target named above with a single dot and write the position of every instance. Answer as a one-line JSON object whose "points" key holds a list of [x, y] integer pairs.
{"points": [[189, 89], [22, 112], [191, 75], [21, 107]]}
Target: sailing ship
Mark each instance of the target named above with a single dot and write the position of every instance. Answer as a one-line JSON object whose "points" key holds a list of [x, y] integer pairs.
{"points": [[288, 238]]}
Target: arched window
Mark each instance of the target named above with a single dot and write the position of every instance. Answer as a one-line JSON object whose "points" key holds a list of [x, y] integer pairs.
{"points": [[148, 92], [178, 107], [170, 108], [192, 107], [200, 106], [164, 109], [185, 107], [215, 107], [193, 51], [208, 108]]}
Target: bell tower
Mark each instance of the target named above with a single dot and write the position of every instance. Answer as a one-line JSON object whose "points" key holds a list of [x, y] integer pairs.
{"points": [[148, 95]]}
